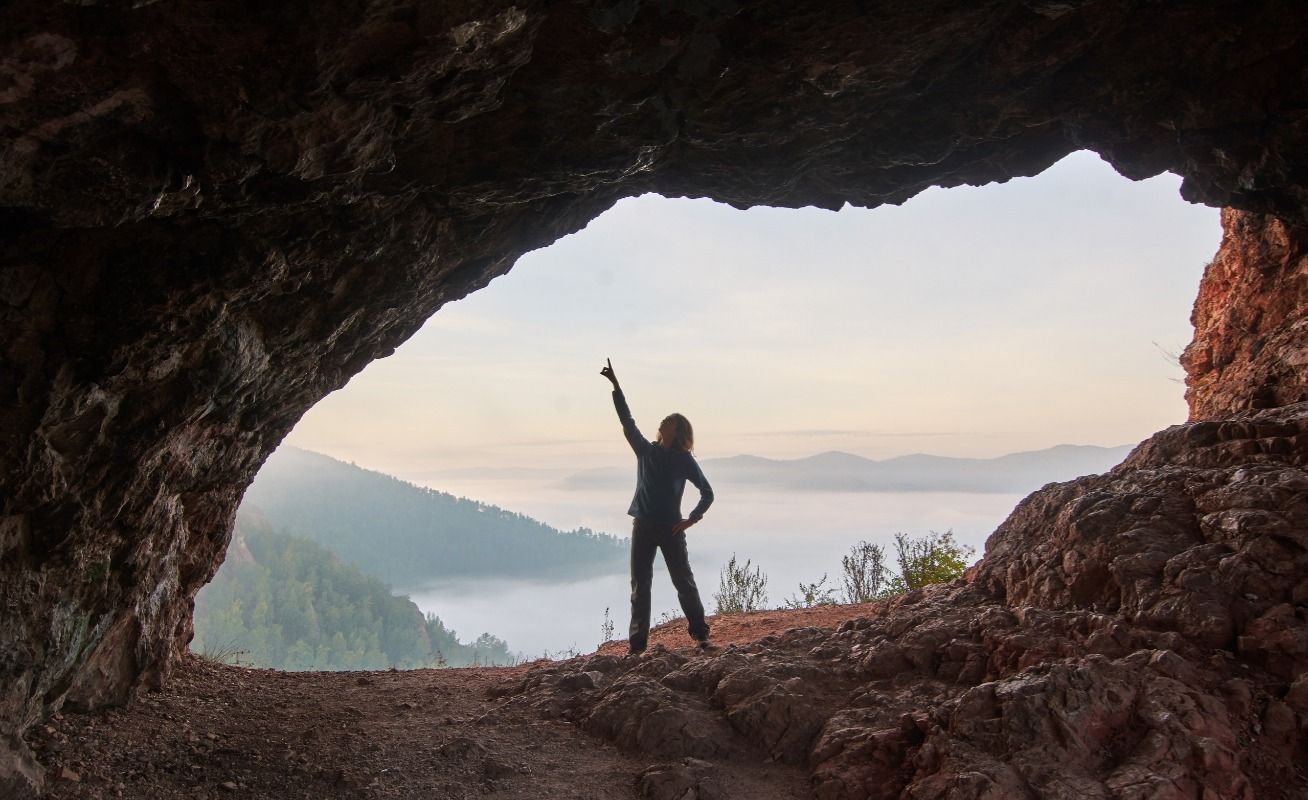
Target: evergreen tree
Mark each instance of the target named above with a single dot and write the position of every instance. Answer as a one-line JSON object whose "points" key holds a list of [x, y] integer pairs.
{"points": [[288, 603]]}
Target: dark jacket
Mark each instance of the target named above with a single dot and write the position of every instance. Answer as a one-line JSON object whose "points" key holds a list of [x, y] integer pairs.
{"points": [[661, 474]]}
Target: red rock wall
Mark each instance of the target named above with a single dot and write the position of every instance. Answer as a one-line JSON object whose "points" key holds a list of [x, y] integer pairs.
{"points": [[1250, 347]]}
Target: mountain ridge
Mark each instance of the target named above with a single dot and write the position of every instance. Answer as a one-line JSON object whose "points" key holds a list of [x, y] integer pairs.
{"points": [[837, 470]]}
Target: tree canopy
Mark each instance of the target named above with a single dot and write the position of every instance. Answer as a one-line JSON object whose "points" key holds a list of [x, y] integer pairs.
{"points": [[285, 602]]}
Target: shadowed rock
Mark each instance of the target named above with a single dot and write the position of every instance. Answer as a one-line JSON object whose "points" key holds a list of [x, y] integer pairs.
{"points": [[215, 215]]}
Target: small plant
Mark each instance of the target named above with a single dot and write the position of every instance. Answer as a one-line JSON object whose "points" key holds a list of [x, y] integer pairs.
{"points": [[864, 576], [671, 615], [934, 558], [562, 655], [812, 594], [740, 589], [227, 653], [606, 627]]}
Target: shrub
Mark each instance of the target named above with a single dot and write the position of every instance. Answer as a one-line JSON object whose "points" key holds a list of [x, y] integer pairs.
{"points": [[740, 589], [934, 558], [812, 594], [865, 576]]}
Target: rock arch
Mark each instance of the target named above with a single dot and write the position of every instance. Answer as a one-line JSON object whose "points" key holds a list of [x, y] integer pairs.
{"points": [[214, 216]]}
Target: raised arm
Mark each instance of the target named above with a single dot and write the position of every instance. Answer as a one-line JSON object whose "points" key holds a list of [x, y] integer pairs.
{"points": [[639, 444]]}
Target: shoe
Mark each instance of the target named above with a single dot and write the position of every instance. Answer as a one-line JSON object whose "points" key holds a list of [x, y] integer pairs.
{"points": [[635, 651], [705, 646]]}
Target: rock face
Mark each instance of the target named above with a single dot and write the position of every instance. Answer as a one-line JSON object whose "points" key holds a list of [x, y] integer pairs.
{"points": [[1250, 347], [1138, 634], [215, 215]]}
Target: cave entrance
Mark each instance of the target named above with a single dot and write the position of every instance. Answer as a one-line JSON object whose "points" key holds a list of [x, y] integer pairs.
{"points": [[967, 323]]}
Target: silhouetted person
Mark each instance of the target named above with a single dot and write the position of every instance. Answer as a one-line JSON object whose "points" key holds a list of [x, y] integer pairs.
{"points": [[662, 469]]}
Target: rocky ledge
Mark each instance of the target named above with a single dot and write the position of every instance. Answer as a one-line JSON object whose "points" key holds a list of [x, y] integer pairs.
{"points": [[1137, 634]]}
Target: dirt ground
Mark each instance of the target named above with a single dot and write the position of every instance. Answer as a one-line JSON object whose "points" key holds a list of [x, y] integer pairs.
{"points": [[219, 731]]}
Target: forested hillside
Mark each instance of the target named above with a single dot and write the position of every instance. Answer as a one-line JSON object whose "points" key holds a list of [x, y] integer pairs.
{"points": [[408, 535], [283, 602]]}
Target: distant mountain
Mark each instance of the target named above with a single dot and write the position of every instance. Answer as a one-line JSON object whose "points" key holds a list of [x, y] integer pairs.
{"points": [[407, 535], [845, 472]]}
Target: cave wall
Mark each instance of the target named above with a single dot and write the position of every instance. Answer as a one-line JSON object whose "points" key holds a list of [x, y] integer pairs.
{"points": [[214, 215], [1250, 348]]}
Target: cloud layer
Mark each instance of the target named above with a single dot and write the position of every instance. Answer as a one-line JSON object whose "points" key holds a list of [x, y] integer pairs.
{"points": [[967, 322]]}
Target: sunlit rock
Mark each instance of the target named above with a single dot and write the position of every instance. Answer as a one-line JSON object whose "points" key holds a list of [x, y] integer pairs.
{"points": [[1250, 348]]}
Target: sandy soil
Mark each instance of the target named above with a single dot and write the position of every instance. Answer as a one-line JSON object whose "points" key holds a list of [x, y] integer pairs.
{"points": [[220, 731]]}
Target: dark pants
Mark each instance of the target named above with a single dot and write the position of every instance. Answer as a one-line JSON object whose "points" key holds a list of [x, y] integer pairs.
{"points": [[646, 537]]}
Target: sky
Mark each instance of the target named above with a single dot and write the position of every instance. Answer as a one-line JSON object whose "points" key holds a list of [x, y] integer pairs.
{"points": [[973, 321]]}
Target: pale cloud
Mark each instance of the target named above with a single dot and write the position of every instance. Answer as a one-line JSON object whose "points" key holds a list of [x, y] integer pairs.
{"points": [[970, 321]]}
